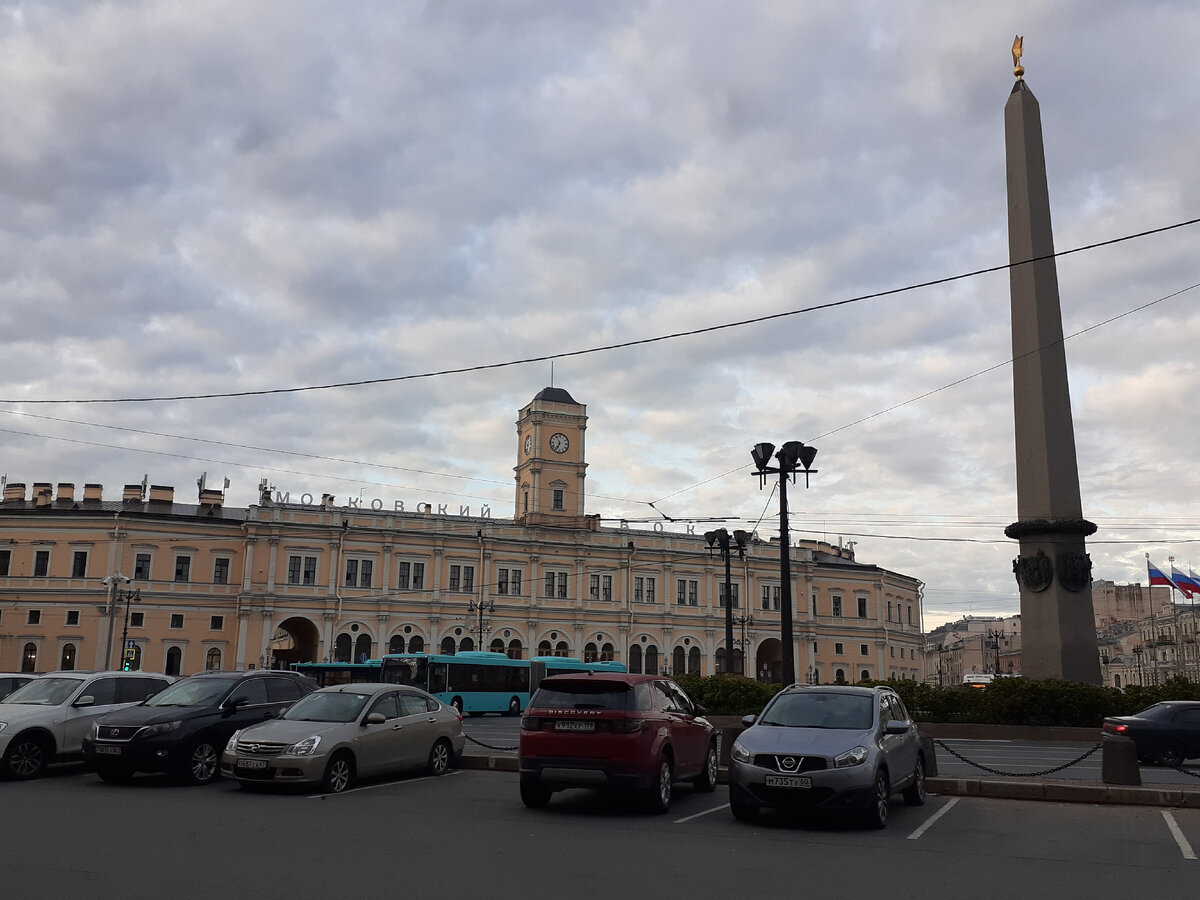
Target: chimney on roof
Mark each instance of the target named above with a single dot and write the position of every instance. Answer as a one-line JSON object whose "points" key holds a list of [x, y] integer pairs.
{"points": [[162, 494], [14, 490], [211, 498], [132, 493], [93, 492], [66, 490], [43, 493]]}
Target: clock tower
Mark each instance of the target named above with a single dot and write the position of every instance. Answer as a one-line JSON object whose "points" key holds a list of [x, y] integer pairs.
{"points": [[550, 461]]}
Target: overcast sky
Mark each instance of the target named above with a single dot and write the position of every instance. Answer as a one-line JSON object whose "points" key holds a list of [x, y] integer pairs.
{"points": [[204, 197]]}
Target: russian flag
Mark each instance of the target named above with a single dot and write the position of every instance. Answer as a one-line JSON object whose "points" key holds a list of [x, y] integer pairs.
{"points": [[1158, 579], [1188, 583]]}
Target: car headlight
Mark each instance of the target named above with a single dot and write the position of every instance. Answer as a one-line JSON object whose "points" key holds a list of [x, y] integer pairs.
{"points": [[160, 728], [740, 753], [855, 757], [306, 747], [231, 744]]}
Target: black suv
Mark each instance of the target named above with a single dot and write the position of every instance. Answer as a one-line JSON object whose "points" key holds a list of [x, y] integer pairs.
{"points": [[182, 730]]}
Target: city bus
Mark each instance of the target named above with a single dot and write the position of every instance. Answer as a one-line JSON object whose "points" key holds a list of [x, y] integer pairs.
{"points": [[331, 673], [481, 681]]}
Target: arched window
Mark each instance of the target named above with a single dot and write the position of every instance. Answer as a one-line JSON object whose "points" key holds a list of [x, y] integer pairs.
{"points": [[466, 645], [651, 660], [174, 660], [212, 661], [497, 645], [1116, 681], [839, 676], [561, 649], [607, 653], [635, 659], [341, 648], [864, 675], [396, 644], [678, 661], [362, 648], [544, 649], [67, 662], [29, 658], [739, 663], [416, 644], [721, 668], [515, 650], [693, 666], [589, 652], [448, 646]]}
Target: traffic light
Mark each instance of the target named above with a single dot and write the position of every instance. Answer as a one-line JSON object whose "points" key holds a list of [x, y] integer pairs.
{"points": [[130, 657]]}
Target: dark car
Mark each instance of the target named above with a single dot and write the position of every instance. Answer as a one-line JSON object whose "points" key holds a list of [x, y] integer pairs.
{"points": [[1166, 733], [607, 731], [183, 730], [828, 748]]}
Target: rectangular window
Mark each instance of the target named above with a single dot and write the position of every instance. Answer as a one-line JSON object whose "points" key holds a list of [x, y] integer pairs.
{"points": [[137, 620], [404, 573], [418, 576], [176, 620], [79, 564], [141, 567], [183, 568], [864, 650], [41, 562], [5, 562], [814, 605], [839, 649], [814, 648], [593, 587], [508, 581], [650, 590], [34, 618], [643, 589], [216, 623], [687, 592], [359, 572], [910, 615], [721, 595], [72, 617], [862, 607], [892, 652], [558, 499], [556, 585], [302, 570], [837, 606], [605, 587], [770, 596], [462, 578], [221, 570]]}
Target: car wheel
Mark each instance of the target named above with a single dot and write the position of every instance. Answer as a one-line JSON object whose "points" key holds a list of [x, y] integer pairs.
{"points": [[743, 812], [339, 773], [26, 757], [203, 763], [877, 812], [439, 758], [514, 707], [658, 797], [706, 781], [914, 794], [1169, 753], [115, 774], [533, 795]]}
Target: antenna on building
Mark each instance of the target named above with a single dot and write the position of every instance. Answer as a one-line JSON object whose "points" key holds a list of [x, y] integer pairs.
{"points": [[551, 373], [145, 485]]}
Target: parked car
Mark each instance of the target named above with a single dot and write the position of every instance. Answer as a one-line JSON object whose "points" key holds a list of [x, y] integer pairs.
{"points": [[348, 731], [1166, 733], [829, 748], [614, 731], [182, 730], [10, 681], [45, 720]]}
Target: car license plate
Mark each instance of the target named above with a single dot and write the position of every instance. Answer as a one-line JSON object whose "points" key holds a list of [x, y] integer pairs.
{"points": [[251, 763], [108, 751], [788, 781], [574, 725]]}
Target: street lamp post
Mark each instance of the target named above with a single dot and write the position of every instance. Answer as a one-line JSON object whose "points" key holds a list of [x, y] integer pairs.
{"points": [[719, 540], [481, 607], [792, 457], [1137, 654], [134, 596], [995, 638], [743, 621], [112, 582]]}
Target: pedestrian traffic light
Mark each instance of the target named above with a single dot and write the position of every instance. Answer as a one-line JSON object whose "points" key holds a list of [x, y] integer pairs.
{"points": [[130, 657]]}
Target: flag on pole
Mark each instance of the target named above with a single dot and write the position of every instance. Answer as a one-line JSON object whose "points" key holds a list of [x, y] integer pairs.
{"points": [[1157, 578], [1189, 583]]}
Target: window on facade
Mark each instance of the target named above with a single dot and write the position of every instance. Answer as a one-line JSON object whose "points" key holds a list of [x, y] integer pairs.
{"points": [[41, 562], [508, 581], [67, 660], [137, 620], [359, 572], [814, 605], [72, 617], [889, 610], [837, 606], [174, 660], [643, 589], [559, 499], [839, 649], [183, 568], [34, 617], [910, 615], [555, 585], [721, 595], [302, 570], [770, 596], [176, 620], [687, 592], [412, 576], [216, 623], [221, 570], [29, 657], [212, 659], [600, 587], [141, 567], [462, 578], [864, 650], [862, 607], [79, 564], [5, 562]]}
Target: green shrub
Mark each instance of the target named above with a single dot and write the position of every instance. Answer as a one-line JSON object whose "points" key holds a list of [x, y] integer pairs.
{"points": [[728, 695]]}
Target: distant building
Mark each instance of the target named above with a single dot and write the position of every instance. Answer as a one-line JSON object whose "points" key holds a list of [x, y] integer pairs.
{"points": [[973, 645], [295, 578]]}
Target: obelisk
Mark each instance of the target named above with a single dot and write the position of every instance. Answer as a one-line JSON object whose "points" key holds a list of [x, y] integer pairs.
{"points": [[1058, 632]]}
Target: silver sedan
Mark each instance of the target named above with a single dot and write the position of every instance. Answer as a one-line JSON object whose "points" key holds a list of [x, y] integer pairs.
{"points": [[338, 734]]}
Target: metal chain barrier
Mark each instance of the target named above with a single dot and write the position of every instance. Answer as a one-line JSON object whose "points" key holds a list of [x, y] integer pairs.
{"points": [[990, 771], [1187, 772], [490, 747]]}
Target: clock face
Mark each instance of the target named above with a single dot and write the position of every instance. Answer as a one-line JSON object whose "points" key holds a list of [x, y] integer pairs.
{"points": [[559, 442], [528, 444]]}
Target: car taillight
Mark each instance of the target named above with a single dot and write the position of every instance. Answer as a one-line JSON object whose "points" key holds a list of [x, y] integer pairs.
{"points": [[1114, 728], [530, 723], [626, 726]]}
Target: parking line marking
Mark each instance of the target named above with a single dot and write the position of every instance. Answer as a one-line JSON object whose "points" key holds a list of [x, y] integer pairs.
{"points": [[699, 814], [929, 822], [383, 784], [1184, 846]]}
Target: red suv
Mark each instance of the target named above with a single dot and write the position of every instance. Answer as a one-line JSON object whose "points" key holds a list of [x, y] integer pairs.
{"points": [[614, 731]]}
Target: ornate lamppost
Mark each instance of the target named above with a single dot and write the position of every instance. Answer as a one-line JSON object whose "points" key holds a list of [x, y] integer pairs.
{"points": [[134, 596], [720, 540], [743, 621], [792, 457]]}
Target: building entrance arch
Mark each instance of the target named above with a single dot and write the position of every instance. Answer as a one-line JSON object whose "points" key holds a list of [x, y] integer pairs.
{"points": [[768, 661], [295, 640]]}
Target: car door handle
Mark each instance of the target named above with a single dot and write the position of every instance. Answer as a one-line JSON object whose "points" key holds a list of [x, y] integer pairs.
{"points": [[397, 727]]}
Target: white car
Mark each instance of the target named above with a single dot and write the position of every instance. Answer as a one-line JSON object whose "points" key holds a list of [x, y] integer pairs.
{"points": [[45, 720]]}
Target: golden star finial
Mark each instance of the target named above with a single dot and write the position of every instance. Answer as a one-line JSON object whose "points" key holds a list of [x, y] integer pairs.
{"points": [[1018, 69]]}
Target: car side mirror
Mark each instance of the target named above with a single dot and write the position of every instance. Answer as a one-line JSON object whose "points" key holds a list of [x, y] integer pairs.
{"points": [[85, 700], [747, 721], [700, 710], [895, 726], [375, 718]]}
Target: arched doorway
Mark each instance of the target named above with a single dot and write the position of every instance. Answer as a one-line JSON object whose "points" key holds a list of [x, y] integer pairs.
{"points": [[295, 640], [174, 660], [768, 662], [29, 658], [67, 663], [362, 648]]}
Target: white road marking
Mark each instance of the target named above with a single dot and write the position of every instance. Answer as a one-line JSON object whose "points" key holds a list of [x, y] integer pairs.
{"points": [[383, 784], [929, 822], [1184, 846], [699, 814]]}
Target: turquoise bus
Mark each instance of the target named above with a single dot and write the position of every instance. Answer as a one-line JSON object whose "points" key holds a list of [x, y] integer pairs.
{"points": [[481, 681], [330, 673]]}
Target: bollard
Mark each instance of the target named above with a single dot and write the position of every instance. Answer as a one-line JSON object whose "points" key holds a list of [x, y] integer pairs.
{"points": [[1118, 761], [931, 768]]}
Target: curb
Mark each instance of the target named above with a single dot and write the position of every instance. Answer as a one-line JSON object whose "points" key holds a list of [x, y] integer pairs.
{"points": [[495, 763], [1064, 791]]}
